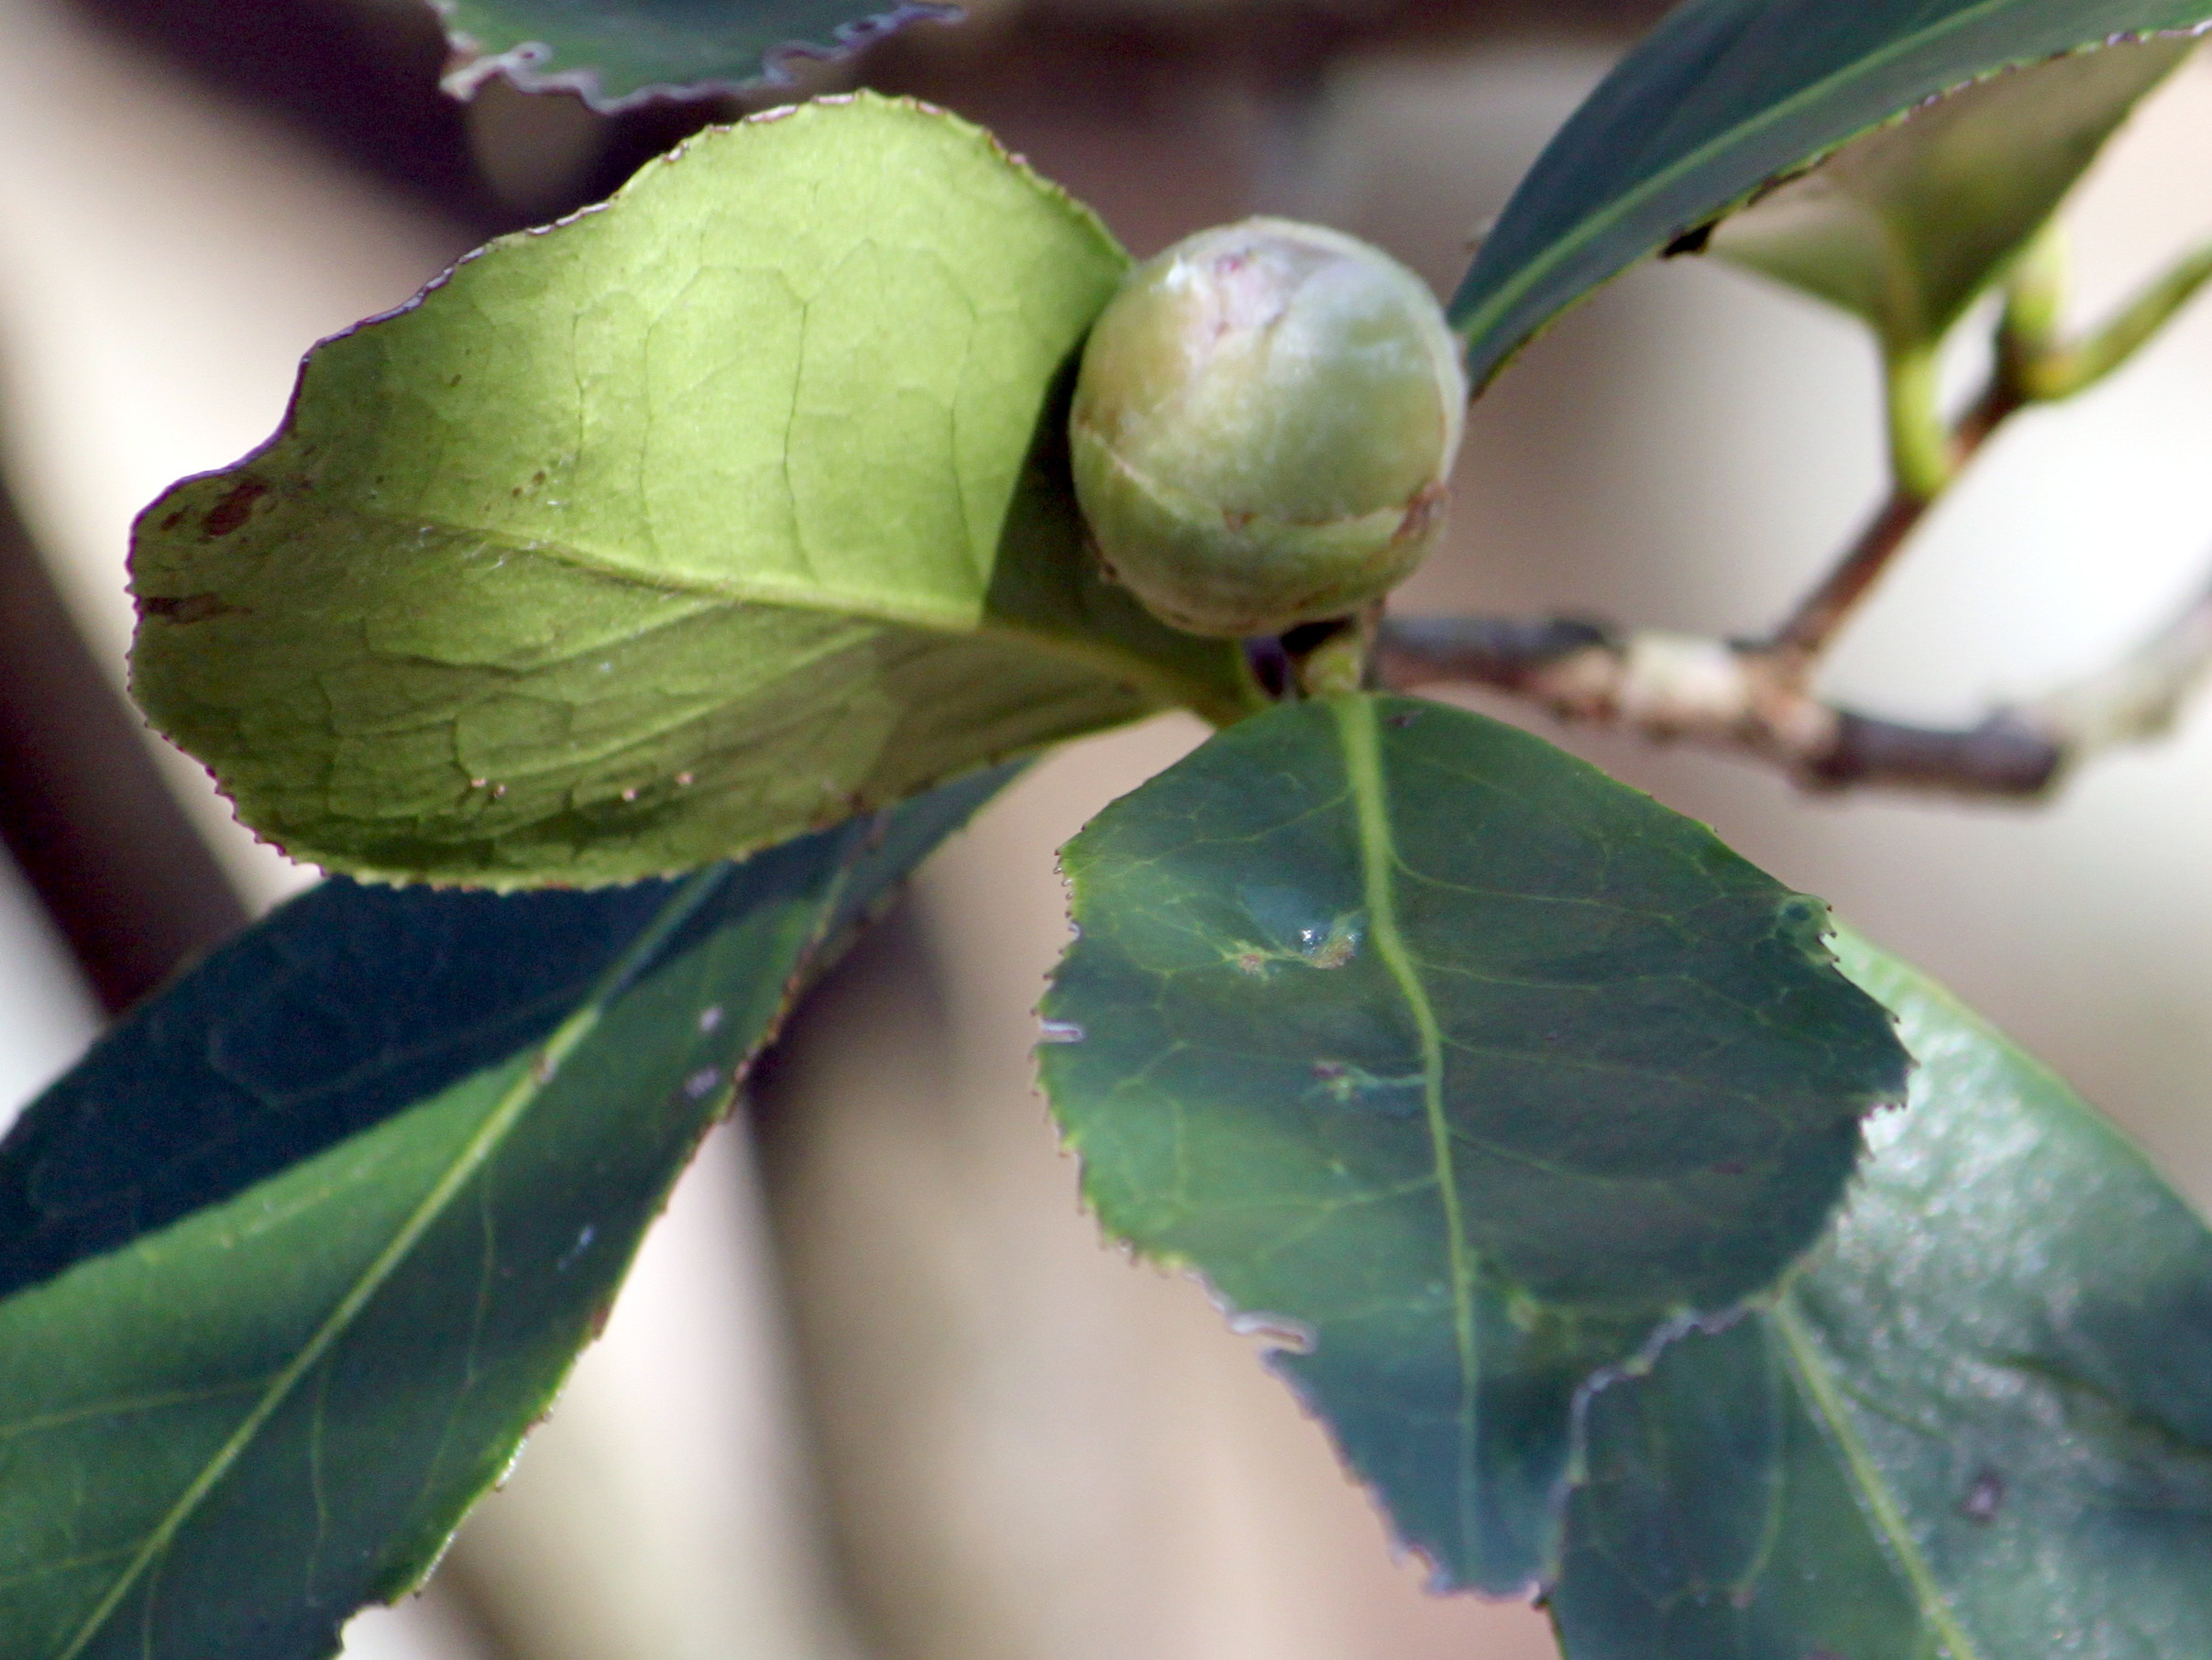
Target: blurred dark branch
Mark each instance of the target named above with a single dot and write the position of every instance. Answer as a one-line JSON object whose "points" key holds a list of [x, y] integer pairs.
{"points": [[1753, 700], [360, 82], [84, 809]]}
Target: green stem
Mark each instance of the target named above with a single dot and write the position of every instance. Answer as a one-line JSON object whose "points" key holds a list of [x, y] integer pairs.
{"points": [[2035, 304], [1336, 656], [2063, 371], [1922, 452]]}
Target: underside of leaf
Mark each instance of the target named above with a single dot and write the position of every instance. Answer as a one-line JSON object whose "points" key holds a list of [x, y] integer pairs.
{"points": [[1907, 226], [707, 518], [1722, 100]]}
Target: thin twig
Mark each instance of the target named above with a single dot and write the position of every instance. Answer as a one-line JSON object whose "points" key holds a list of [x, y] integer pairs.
{"points": [[1750, 700], [1823, 613]]}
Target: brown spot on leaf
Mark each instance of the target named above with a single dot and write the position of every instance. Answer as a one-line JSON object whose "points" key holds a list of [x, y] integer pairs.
{"points": [[173, 520], [234, 508], [1334, 952], [187, 608], [1985, 1497]]}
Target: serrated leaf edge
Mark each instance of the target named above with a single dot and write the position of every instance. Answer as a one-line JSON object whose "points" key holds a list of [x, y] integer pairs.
{"points": [[542, 1067], [1816, 936], [1470, 327], [470, 65]]}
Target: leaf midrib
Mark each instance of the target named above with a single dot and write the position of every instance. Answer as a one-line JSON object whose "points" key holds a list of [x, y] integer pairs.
{"points": [[535, 1076], [1160, 684], [1878, 1504], [1360, 731], [1598, 224]]}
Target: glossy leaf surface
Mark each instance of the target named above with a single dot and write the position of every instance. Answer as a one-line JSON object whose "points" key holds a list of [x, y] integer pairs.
{"points": [[297, 1255], [712, 516], [620, 52], [1458, 1064], [1908, 226], [1977, 1425], [1721, 99]]}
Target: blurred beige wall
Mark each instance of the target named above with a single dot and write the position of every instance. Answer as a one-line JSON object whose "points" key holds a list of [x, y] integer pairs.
{"points": [[165, 260]]}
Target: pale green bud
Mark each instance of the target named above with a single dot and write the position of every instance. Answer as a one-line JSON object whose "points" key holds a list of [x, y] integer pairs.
{"points": [[1265, 421]]}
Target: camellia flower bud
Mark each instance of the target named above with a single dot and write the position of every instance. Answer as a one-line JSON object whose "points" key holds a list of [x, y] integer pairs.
{"points": [[1265, 421]]}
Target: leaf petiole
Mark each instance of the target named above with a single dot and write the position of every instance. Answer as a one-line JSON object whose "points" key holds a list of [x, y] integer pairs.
{"points": [[1337, 655], [1923, 451]]}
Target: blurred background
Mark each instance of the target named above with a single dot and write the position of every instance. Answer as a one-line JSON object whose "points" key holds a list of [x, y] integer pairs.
{"points": [[875, 1391]]}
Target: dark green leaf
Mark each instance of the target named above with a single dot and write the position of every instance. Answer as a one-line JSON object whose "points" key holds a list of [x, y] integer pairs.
{"points": [[1978, 1424], [1463, 1064], [299, 1253], [620, 53], [702, 519], [1725, 96]]}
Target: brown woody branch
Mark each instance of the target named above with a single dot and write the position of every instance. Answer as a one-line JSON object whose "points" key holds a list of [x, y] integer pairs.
{"points": [[1823, 611], [1756, 698], [1753, 699]]}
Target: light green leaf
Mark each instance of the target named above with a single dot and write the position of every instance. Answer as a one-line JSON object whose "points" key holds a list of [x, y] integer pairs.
{"points": [[1976, 1426], [1459, 1064], [617, 53], [703, 519], [1908, 226], [291, 1263], [1725, 97]]}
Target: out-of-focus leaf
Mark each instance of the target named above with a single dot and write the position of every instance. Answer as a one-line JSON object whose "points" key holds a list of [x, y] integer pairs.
{"points": [[297, 1255], [704, 519], [1722, 99], [1908, 226], [1461, 1064], [620, 53], [1977, 1425]]}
